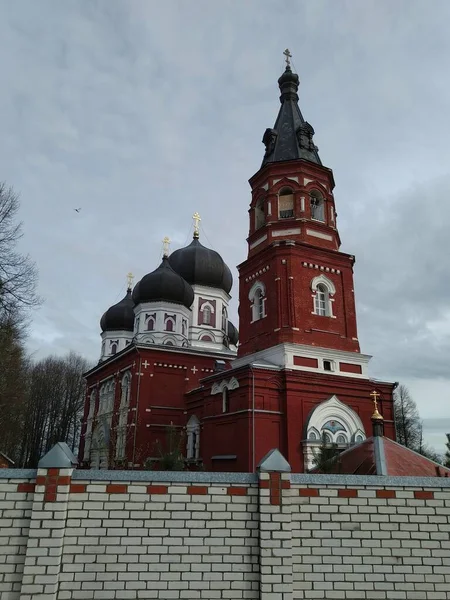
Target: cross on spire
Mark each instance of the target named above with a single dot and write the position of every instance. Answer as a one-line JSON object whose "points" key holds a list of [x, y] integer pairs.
{"points": [[197, 220], [130, 278], [166, 246], [376, 414], [288, 57]]}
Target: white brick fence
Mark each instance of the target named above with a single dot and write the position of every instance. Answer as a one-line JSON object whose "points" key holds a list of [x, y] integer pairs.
{"points": [[131, 534]]}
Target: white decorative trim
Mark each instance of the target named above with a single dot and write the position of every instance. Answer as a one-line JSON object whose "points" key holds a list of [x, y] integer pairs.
{"points": [[321, 268], [254, 275], [282, 232], [302, 203], [322, 279], [276, 180], [231, 384], [317, 234], [265, 187], [306, 181], [258, 241], [331, 410], [293, 179]]}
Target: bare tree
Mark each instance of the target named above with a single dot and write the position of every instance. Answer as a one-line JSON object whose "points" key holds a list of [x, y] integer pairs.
{"points": [[446, 461], [18, 274], [55, 402], [407, 419]]}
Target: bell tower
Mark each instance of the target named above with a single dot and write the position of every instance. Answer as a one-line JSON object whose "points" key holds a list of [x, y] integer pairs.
{"points": [[296, 287]]}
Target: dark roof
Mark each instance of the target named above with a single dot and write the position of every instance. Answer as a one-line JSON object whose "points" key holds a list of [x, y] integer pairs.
{"points": [[202, 266], [291, 137], [380, 455], [119, 317], [163, 284], [232, 333]]}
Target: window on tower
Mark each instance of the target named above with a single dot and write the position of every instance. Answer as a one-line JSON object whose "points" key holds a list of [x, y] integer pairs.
{"points": [[317, 207], [323, 289], [321, 300], [206, 315], [224, 319], [286, 203], [260, 217], [257, 297]]}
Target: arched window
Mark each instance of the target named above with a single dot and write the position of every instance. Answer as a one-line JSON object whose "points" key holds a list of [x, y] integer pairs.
{"points": [[114, 348], [317, 204], [286, 203], [225, 400], [169, 343], [183, 327], [169, 325], [151, 324], [206, 338], [206, 311], [341, 439], [321, 300], [323, 288], [257, 297], [193, 438], [312, 436], [224, 319], [260, 217]]}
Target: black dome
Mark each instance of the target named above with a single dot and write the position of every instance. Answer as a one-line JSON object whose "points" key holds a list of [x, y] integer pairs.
{"points": [[232, 333], [202, 266], [163, 284], [119, 317]]}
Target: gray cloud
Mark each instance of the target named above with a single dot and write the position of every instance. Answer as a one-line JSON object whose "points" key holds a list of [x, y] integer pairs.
{"points": [[142, 113]]}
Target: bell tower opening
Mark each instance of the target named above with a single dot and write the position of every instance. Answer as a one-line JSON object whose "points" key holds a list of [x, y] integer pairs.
{"points": [[286, 203]]}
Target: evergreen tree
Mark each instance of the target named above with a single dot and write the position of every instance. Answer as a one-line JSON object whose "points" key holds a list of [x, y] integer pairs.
{"points": [[169, 455], [325, 457]]}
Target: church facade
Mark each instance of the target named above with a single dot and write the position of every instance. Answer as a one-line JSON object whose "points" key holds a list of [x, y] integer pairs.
{"points": [[173, 368]]}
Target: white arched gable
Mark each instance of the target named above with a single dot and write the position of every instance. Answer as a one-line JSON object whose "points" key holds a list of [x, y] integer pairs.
{"points": [[193, 423], [231, 384], [335, 410], [321, 279]]}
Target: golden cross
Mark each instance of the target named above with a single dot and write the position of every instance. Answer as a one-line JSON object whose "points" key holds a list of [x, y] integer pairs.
{"points": [[376, 414], [130, 278], [197, 220], [166, 246], [288, 56]]}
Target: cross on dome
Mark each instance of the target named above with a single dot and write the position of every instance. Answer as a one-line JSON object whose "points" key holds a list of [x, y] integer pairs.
{"points": [[130, 278], [196, 217], [166, 246], [288, 57]]}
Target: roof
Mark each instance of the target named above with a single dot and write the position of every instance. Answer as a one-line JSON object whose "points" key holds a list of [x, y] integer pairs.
{"points": [[291, 137], [380, 455]]}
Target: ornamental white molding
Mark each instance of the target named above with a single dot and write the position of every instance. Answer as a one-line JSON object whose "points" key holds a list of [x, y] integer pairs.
{"points": [[335, 410], [254, 275], [321, 279], [321, 268], [218, 388]]}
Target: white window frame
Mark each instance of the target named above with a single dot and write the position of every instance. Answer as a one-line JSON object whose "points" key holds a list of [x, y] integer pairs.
{"points": [[257, 297], [317, 197], [317, 285]]}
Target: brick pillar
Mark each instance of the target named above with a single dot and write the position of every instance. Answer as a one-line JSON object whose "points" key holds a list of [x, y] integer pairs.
{"points": [[47, 525], [275, 528]]}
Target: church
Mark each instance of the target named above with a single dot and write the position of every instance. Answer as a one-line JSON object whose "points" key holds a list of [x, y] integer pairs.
{"points": [[175, 369]]}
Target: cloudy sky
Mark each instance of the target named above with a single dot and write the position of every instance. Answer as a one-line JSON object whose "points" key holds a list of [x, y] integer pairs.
{"points": [[142, 112]]}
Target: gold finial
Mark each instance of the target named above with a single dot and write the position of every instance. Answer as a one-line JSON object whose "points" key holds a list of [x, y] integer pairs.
{"points": [[288, 57], [376, 414], [166, 246], [197, 220], [130, 278]]}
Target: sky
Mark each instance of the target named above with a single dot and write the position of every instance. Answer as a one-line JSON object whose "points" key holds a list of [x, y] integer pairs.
{"points": [[141, 113]]}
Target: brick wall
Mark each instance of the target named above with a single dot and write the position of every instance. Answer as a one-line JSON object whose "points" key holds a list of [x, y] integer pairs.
{"points": [[107, 534]]}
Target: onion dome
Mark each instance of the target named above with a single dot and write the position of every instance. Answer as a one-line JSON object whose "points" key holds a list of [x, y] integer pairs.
{"points": [[232, 333], [201, 266], [165, 285], [119, 317]]}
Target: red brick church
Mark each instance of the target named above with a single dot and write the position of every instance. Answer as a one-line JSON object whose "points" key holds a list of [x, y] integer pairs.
{"points": [[293, 375]]}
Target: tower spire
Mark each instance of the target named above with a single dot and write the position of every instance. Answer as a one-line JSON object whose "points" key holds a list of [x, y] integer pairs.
{"points": [[291, 137]]}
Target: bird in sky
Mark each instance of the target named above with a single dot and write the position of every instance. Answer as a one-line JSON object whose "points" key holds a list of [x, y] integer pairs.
{"points": [[77, 209]]}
